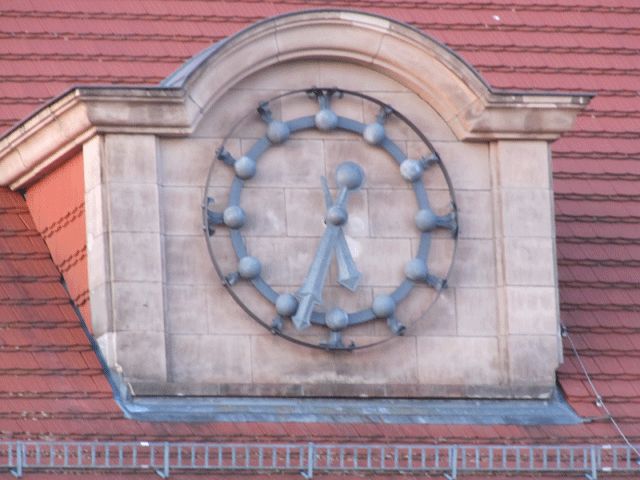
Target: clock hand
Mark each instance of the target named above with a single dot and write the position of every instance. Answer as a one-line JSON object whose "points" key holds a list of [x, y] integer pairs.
{"points": [[349, 177], [348, 274]]}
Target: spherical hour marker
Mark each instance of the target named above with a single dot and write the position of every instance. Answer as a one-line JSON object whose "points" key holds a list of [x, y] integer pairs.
{"points": [[416, 270], [373, 133], [337, 319], [383, 306], [245, 167], [233, 216], [286, 305], [277, 132], [411, 170], [426, 220], [326, 120], [249, 267]]}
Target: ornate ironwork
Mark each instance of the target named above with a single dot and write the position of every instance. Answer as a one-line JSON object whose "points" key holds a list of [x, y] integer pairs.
{"points": [[305, 306]]}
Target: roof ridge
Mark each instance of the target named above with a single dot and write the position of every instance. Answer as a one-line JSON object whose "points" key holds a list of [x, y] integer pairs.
{"points": [[431, 5], [585, 218], [609, 307], [523, 27], [519, 48]]}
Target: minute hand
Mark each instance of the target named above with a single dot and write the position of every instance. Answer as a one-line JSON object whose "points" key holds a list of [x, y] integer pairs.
{"points": [[348, 274], [349, 177]]}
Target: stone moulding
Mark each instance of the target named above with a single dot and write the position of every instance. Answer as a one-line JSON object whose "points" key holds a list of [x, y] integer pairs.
{"points": [[473, 110]]}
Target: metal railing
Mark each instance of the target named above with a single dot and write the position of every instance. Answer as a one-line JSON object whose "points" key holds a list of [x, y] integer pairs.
{"points": [[450, 461]]}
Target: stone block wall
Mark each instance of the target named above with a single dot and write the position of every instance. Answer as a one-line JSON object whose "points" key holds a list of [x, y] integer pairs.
{"points": [[163, 316]]}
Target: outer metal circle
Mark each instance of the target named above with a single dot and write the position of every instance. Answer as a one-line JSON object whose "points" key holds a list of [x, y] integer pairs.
{"points": [[285, 304]]}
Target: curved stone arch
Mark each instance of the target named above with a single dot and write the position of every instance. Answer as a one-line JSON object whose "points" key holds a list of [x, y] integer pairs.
{"points": [[471, 108]]}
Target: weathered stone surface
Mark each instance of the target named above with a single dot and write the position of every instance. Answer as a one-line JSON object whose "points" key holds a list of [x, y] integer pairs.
{"points": [[475, 214], [237, 107], [467, 164], [296, 163], [224, 316], [378, 270], [134, 207], [141, 354], [265, 209], [278, 77], [136, 256], [529, 261], [187, 261], [524, 164], [210, 358], [101, 313], [474, 264], [186, 161], [527, 212], [97, 258], [275, 361], [392, 213], [94, 208], [130, 158], [92, 155], [138, 306], [476, 311], [426, 316], [533, 359], [464, 361], [182, 210], [532, 310], [186, 309], [285, 261]]}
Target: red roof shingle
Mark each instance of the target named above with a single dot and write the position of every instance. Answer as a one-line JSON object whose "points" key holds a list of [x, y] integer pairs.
{"points": [[51, 385]]}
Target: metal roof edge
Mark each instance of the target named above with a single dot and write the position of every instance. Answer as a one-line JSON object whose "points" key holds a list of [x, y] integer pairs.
{"points": [[553, 411]]}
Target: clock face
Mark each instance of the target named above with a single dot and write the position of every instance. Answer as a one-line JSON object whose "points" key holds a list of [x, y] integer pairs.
{"points": [[336, 214]]}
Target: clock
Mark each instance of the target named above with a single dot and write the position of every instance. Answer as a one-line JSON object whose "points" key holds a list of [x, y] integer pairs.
{"points": [[291, 310]]}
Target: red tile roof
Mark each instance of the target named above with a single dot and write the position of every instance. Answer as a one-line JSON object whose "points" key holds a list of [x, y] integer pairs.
{"points": [[51, 385]]}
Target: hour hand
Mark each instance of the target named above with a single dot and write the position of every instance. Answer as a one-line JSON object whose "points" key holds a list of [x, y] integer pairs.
{"points": [[348, 274], [349, 177]]}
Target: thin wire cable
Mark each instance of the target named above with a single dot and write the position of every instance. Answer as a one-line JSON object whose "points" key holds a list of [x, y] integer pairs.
{"points": [[599, 401]]}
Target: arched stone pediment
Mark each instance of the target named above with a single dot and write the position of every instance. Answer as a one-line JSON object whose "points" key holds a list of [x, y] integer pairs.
{"points": [[422, 64]]}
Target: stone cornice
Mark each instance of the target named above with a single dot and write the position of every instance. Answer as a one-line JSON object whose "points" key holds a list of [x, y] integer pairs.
{"points": [[60, 127]]}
